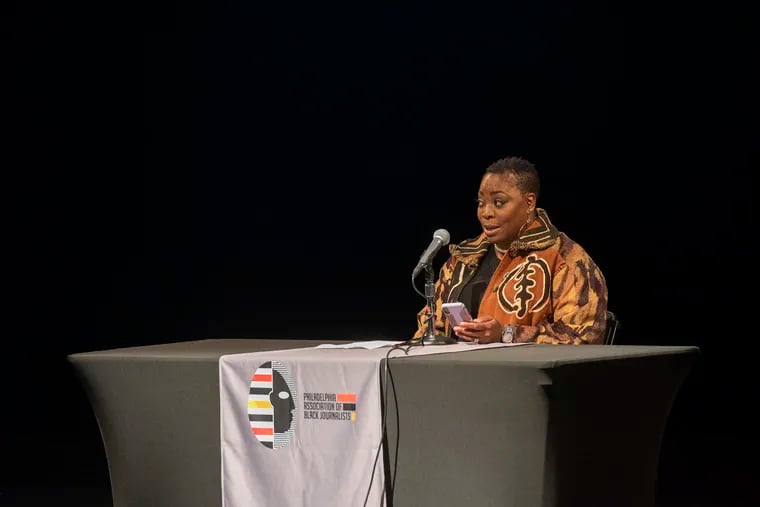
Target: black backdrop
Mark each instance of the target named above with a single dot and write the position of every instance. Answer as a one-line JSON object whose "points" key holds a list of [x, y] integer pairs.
{"points": [[230, 169]]}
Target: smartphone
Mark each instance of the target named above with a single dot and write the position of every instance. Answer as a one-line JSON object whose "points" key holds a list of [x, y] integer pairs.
{"points": [[456, 312]]}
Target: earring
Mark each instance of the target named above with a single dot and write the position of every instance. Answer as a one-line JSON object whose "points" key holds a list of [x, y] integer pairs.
{"points": [[528, 221]]}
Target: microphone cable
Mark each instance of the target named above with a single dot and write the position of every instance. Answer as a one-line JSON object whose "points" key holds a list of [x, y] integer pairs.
{"points": [[418, 291], [420, 340], [405, 347]]}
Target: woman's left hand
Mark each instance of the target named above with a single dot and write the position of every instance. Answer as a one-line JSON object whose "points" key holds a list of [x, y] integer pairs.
{"points": [[484, 329]]}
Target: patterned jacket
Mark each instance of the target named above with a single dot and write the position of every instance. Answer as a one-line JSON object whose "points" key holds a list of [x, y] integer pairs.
{"points": [[546, 284]]}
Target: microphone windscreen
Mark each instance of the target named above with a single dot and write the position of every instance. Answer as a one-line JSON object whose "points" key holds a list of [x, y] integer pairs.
{"points": [[443, 235]]}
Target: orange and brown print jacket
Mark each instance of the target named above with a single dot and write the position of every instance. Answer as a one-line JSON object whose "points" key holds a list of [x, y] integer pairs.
{"points": [[546, 285]]}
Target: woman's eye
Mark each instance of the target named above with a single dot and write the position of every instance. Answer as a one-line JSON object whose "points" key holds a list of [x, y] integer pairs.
{"points": [[498, 203]]}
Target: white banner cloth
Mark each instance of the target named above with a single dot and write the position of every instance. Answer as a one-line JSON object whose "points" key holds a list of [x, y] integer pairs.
{"points": [[302, 427]]}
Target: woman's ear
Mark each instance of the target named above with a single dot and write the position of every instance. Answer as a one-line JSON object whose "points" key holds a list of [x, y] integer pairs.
{"points": [[530, 198]]}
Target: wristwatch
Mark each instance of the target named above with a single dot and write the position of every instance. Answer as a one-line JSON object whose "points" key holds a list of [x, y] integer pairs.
{"points": [[509, 334]]}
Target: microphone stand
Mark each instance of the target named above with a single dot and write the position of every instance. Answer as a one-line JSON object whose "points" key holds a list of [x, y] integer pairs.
{"points": [[431, 338]]}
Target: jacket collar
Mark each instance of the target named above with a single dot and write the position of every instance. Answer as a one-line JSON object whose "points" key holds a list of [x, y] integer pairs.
{"points": [[539, 235]]}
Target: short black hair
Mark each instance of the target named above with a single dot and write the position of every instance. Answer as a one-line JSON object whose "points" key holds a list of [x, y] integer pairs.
{"points": [[525, 173]]}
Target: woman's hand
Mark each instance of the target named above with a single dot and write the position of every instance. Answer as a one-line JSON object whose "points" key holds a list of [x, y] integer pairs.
{"points": [[484, 329]]}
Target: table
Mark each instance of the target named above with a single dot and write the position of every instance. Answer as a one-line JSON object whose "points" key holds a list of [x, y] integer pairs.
{"points": [[535, 425]]}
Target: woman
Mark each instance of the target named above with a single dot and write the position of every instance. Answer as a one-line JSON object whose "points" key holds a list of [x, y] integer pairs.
{"points": [[521, 278]]}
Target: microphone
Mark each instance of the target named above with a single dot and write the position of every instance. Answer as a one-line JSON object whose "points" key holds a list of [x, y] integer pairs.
{"points": [[440, 238]]}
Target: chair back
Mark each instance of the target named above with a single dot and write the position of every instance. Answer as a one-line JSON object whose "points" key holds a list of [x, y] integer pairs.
{"points": [[612, 327]]}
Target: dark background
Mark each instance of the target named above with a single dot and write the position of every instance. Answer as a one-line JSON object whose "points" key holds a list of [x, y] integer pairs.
{"points": [[254, 170]]}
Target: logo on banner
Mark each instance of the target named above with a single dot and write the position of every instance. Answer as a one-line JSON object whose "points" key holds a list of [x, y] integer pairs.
{"points": [[271, 405], [329, 406]]}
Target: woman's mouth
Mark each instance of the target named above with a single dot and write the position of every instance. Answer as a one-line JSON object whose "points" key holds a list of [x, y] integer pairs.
{"points": [[490, 229]]}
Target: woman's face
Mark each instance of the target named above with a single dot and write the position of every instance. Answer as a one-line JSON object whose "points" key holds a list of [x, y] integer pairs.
{"points": [[502, 208]]}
